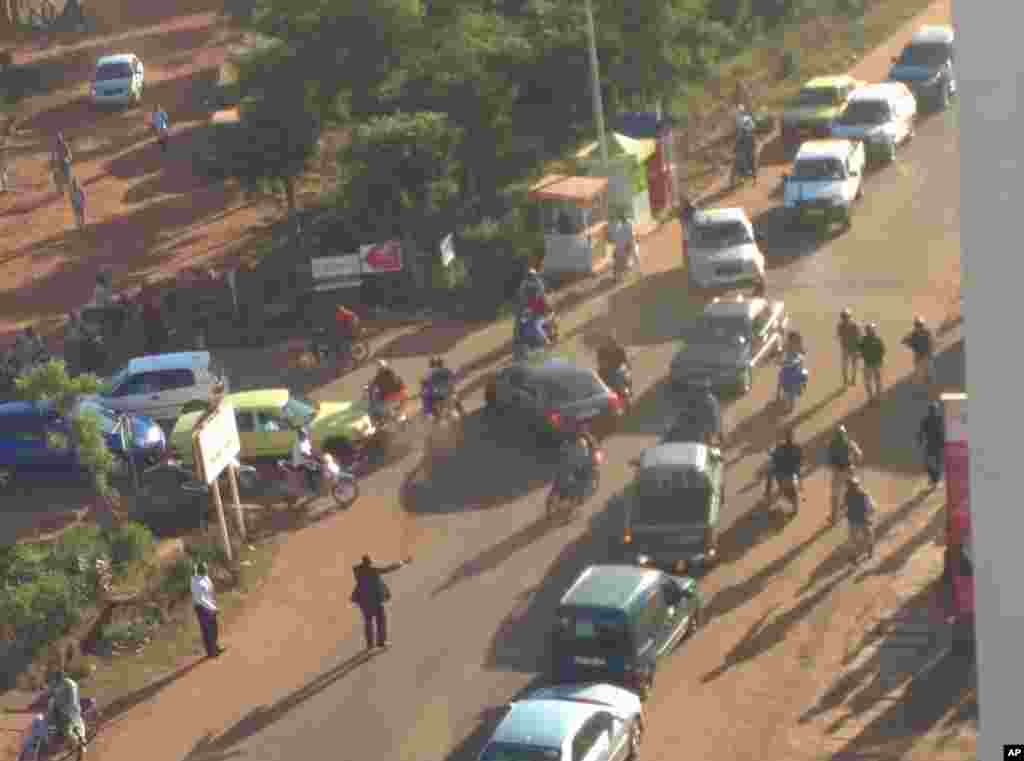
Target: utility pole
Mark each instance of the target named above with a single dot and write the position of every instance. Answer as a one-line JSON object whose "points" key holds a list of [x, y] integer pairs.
{"points": [[595, 76]]}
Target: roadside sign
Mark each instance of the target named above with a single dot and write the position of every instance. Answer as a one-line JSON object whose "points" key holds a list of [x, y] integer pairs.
{"points": [[448, 249], [382, 257], [217, 442]]}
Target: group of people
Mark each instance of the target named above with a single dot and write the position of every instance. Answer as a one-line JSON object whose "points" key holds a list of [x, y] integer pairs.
{"points": [[864, 345]]}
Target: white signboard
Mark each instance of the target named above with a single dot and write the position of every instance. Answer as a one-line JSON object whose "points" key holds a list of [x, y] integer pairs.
{"points": [[448, 249], [333, 272], [955, 409], [218, 442]]}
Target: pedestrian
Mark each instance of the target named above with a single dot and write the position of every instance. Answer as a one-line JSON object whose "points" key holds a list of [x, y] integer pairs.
{"points": [[370, 596], [206, 610], [154, 326], [860, 513], [921, 343], [848, 333], [78, 202], [872, 352], [843, 456], [161, 125], [5, 184], [60, 162], [931, 436]]}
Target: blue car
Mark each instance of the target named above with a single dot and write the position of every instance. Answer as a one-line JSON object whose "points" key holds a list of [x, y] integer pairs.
{"points": [[34, 439]]}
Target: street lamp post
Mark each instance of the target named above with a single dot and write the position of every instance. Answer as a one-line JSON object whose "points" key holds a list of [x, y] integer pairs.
{"points": [[596, 83]]}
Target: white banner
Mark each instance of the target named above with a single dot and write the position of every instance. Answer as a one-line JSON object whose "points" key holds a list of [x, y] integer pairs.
{"points": [[218, 442], [448, 249]]}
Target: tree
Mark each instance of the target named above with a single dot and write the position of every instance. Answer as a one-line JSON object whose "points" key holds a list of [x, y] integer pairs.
{"points": [[51, 383]]}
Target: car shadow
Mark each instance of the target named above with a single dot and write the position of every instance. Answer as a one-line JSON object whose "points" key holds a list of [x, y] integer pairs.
{"points": [[654, 309], [783, 243]]}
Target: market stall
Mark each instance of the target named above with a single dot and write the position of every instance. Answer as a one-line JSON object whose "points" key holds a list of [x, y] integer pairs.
{"points": [[574, 216]]}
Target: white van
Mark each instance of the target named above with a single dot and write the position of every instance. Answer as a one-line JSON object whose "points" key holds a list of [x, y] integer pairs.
{"points": [[160, 386], [882, 115]]}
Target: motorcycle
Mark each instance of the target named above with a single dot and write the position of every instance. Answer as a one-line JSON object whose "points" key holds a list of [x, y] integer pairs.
{"points": [[620, 380], [48, 740], [793, 378], [321, 476], [569, 490]]}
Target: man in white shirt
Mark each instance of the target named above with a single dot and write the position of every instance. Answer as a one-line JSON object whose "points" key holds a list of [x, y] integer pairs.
{"points": [[206, 609]]}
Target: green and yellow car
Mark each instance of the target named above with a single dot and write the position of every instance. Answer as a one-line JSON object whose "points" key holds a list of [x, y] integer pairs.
{"points": [[267, 421], [811, 113]]}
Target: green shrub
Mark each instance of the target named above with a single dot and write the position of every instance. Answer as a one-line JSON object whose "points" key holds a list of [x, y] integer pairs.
{"points": [[125, 632], [130, 543], [42, 610], [208, 550], [78, 548], [177, 579], [790, 64], [22, 563]]}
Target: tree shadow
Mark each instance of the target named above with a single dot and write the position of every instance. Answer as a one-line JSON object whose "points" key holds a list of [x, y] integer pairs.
{"points": [[434, 337], [520, 642], [763, 636], [471, 477], [222, 746]]}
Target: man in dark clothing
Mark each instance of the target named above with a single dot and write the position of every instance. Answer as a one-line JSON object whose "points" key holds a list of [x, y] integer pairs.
{"points": [[848, 333], [872, 350], [860, 510], [154, 326], [921, 343], [932, 438], [787, 459], [370, 595], [703, 405]]}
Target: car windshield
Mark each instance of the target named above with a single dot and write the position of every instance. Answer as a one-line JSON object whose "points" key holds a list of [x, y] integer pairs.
{"points": [[108, 71], [108, 421], [566, 388], [516, 752], [719, 329], [592, 629], [927, 54], [299, 411], [721, 235], [865, 112], [819, 169], [818, 96], [671, 495]]}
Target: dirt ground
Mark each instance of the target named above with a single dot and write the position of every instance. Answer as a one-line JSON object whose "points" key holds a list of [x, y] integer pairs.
{"points": [[791, 687]]}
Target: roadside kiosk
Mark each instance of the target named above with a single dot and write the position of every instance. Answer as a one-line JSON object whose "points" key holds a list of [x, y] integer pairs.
{"points": [[574, 216]]}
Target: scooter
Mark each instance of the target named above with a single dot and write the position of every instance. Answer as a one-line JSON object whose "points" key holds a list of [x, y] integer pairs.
{"points": [[569, 491], [321, 476], [793, 378], [620, 380]]}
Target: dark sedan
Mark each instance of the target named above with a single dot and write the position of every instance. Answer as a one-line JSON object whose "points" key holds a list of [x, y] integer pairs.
{"points": [[554, 397]]}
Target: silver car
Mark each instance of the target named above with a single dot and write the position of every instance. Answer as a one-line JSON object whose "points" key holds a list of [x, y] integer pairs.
{"points": [[727, 341], [721, 250], [598, 722]]}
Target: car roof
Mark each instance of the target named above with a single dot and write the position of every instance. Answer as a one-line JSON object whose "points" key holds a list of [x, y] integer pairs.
{"points": [[264, 398], [932, 34], [675, 455], [609, 586], [717, 216], [824, 149], [175, 361], [836, 80], [740, 306], [543, 723], [550, 366], [879, 91], [19, 408], [118, 58]]}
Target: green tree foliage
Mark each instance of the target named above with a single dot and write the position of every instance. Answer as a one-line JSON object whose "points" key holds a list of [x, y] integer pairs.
{"points": [[50, 382]]}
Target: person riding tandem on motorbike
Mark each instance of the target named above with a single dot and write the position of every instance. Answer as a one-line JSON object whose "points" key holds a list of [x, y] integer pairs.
{"points": [[579, 464], [437, 389], [386, 391]]}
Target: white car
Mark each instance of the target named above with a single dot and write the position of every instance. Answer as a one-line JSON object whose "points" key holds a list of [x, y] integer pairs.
{"points": [[164, 386], [882, 115], [596, 722], [826, 180], [720, 250], [118, 80]]}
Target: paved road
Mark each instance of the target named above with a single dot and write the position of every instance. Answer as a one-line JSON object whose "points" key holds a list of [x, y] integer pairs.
{"points": [[470, 615]]}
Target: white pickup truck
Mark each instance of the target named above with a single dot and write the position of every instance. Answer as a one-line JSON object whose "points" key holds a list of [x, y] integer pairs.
{"points": [[826, 180]]}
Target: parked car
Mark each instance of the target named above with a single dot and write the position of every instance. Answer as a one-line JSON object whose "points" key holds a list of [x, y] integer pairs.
{"points": [[811, 113], [616, 622], [882, 115], [673, 507], [36, 439], [596, 722], [163, 386], [827, 179], [926, 66], [118, 80], [268, 419], [728, 340], [720, 249], [550, 395]]}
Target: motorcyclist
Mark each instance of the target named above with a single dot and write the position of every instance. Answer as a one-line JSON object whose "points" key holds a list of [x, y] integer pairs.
{"points": [[786, 460], [578, 460], [64, 711], [611, 356], [438, 387], [385, 388], [303, 459]]}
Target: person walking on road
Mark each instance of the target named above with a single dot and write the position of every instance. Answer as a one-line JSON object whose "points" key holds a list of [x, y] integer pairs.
{"points": [[78, 202], [206, 610], [5, 184], [860, 513], [843, 456], [872, 351], [921, 343], [60, 162], [848, 333], [931, 436], [370, 596], [161, 125]]}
